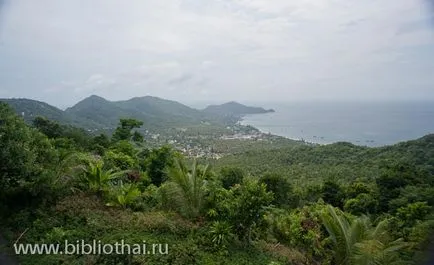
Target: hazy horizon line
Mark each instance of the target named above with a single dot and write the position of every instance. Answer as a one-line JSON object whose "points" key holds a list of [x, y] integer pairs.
{"points": [[203, 102]]}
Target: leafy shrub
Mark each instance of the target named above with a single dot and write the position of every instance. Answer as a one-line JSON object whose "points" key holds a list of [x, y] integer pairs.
{"points": [[149, 199], [281, 188], [118, 160], [412, 194], [332, 193], [300, 228], [221, 234], [243, 207], [413, 212], [231, 176], [157, 163], [363, 203], [26, 167], [357, 188]]}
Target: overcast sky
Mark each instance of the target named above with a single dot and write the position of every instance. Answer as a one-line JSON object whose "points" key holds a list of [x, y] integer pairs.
{"points": [[61, 51]]}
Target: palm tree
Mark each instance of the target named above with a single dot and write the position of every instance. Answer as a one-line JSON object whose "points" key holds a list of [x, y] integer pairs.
{"points": [[96, 177], [378, 247], [67, 163], [358, 242], [188, 187], [123, 194]]}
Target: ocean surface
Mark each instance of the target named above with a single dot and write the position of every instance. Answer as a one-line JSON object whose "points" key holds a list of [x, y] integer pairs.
{"points": [[369, 124]]}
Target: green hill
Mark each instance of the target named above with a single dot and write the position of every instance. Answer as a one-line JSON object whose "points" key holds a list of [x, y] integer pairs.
{"points": [[154, 112], [172, 112], [155, 106], [29, 109], [305, 164], [97, 113]]}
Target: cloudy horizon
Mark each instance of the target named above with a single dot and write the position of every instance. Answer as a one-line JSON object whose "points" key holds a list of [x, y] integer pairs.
{"points": [[217, 50]]}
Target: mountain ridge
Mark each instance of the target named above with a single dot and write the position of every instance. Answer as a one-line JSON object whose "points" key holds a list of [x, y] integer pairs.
{"points": [[97, 113], [235, 108], [31, 108]]}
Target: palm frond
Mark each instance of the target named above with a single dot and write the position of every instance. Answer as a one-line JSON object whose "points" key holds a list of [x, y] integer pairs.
{"points": [[189, 191], [358, 242]]}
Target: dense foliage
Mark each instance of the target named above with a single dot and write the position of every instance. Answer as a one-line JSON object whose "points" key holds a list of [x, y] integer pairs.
{"points": [[303, 204]]}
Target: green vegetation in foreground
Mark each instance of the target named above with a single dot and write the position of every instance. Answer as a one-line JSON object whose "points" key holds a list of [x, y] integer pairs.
{"points": [[297, 204]]}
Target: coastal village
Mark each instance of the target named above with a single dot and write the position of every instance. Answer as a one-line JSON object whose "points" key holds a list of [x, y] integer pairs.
{"points": [[210, 145]]}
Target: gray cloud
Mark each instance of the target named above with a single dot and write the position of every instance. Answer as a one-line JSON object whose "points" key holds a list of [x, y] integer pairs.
{"points": [[181, 79], [62, 51], [416, 25]]}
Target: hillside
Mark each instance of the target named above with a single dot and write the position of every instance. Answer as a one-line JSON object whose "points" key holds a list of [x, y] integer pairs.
{"points": [[157, 106], [154, 112], [29, 109], [306, 165], [234, 108], [97, 113]]}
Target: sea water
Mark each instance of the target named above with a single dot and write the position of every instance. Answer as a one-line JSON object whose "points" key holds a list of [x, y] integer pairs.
{"points": [[361, 123]]}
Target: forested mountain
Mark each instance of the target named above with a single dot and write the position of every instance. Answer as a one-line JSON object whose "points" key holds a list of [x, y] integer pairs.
{"points": [[235, 108], [155, 106], [29, 109], [97, 113], [154, 112]]}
